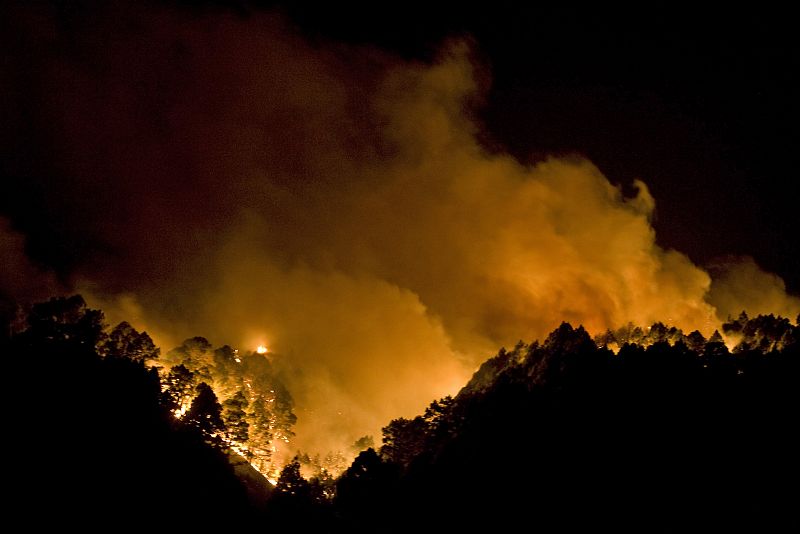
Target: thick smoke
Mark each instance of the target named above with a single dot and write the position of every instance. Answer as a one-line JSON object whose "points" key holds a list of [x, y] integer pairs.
{"points": [[739, 284], [333, 202]]}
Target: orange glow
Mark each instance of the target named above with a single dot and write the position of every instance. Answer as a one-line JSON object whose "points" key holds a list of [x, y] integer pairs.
{"points": [[384, 276]]}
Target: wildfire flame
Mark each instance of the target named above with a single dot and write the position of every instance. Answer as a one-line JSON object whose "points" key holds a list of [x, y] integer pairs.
{"points": [[261, 349]]}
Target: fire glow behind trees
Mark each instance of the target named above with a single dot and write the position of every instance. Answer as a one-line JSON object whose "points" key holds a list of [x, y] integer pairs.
{"points": [[198, 172]]}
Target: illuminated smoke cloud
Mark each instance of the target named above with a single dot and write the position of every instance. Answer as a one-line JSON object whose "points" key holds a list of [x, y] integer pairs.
{"points": [[739, 284], [333, 203]]}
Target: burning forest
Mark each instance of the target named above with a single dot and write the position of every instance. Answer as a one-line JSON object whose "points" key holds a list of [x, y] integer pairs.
{"points": [[259, 259]]}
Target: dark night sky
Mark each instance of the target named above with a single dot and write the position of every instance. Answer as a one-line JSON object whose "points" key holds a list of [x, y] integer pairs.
{"points": [[697, 102]]}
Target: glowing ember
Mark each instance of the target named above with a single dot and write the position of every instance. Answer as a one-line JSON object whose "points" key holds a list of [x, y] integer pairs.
{"points": [[261, 349]]}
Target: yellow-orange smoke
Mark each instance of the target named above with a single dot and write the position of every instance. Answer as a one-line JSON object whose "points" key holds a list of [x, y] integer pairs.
{"points": [[739, 284], [335, 201]]}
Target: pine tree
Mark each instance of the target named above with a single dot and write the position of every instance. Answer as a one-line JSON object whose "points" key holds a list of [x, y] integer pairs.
{"points": [[205, 415], [234, 415]]}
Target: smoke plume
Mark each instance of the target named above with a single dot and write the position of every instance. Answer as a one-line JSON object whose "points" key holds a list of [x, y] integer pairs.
{"points": [[739, 284], [333, 203]]}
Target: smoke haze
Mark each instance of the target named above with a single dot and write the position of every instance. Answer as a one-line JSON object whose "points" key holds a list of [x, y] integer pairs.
{"points": [[739, 284], [224, 177]]}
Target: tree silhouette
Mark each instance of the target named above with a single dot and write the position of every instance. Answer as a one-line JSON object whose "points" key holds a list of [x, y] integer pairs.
{"points": [[695, 341], [366, 491], [178, 389], [298, 503], [67, 322], [363, 443], [124, 341], [673, 433], [101, 425], [205, 415], [404, 439], [291, 482]]}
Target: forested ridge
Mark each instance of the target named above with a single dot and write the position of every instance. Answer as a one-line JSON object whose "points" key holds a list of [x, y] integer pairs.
{"points": [[638, 429]]}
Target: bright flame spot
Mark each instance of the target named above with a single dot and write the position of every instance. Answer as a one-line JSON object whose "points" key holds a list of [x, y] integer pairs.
{"points": [[261, 349]]}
